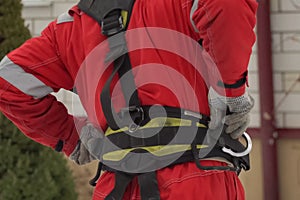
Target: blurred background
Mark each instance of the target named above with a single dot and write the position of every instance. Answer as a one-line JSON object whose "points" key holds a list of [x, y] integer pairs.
{"points": [[274, 80]]}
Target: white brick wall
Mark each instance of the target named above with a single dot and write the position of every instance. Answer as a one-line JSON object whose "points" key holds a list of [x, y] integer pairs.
{"points": [[291, 42], [285, 15], [290, 5], [38, 13], [285, 21]]}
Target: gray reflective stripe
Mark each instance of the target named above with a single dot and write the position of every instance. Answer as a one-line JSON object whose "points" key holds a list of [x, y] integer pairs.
{"points": [[22, 80], [65, 17], [193, 9]]}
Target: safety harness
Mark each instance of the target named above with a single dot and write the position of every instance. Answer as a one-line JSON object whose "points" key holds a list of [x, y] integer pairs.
{"points": [[129, 129]]}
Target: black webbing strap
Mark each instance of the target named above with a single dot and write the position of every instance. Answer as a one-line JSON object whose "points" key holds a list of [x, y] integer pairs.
{"points": [[127, 82], [108, 14], [147, 183], [94, 180], [121, 182], [148, 186], [121, 66], [195, 152]]}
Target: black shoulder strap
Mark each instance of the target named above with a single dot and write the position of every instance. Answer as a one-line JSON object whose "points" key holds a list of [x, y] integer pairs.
{"points": [[99, 9], [108, 14]]}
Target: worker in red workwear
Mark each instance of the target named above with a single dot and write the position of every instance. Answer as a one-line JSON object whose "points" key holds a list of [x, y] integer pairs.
{"points": [[161, 49]]}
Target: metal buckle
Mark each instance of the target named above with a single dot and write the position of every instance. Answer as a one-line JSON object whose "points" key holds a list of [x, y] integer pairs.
{"points": [[134, 109], [112, 24]]}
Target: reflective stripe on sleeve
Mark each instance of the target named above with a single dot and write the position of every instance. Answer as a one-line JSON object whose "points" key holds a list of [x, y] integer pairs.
{"points": [[65, 17], [22, 80], [193, 10]]}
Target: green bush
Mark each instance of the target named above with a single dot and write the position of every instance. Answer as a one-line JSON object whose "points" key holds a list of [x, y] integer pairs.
{"points": [[12, 30], [28, 170]]}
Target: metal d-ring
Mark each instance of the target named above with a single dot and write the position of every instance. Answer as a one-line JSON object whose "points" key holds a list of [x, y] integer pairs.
{"points": [[133, 126], [240, 154]]}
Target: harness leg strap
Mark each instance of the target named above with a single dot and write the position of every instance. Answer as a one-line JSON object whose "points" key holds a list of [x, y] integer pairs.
{"points": [[148, 186], [121, 182]]}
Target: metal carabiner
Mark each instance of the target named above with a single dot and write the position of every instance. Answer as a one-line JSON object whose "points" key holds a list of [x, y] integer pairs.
{"points": [[240, 154]]}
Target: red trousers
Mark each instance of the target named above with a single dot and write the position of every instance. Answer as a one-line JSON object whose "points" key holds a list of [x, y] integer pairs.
{"points": [[182, 182]]}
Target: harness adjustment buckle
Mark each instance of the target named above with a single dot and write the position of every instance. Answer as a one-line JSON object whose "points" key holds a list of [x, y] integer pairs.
{"points": [[112, 24]]}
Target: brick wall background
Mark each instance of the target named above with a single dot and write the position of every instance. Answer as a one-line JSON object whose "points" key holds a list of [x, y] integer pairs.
{"points": [[38, 13], [285, 15]]}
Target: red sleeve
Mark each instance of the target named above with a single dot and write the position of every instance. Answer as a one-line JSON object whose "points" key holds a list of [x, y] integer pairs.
{"points": [[226, 29], [27, 77]]}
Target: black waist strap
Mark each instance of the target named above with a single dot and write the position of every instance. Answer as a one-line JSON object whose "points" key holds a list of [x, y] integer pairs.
{"points": [[148, 182]]}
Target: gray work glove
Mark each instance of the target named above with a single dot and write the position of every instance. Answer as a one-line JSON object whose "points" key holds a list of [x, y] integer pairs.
{"points": [[88, 146], [231, 111]]}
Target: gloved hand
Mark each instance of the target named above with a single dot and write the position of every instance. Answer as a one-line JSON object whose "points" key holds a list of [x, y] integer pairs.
{"points": [[231, 111], [88, 146]]}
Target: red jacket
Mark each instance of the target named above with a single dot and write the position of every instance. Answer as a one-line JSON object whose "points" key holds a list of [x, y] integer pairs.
{"points": [[52, 61]]}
